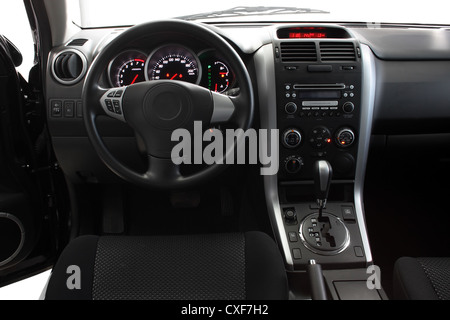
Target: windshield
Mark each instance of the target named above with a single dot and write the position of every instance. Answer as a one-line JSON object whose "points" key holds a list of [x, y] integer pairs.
{"points": [[102, 13]]}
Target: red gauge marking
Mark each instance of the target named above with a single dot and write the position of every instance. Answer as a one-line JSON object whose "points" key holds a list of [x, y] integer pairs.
{"points": [[216, 88], [134, 80], [174, 76], [139, 60]]}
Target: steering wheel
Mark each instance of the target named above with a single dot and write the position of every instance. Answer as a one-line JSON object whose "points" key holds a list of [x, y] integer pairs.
{"points": [[154, 109]]}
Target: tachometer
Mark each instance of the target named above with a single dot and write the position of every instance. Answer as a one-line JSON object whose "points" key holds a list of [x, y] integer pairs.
{"points": [[128, 68], [173, 62]]}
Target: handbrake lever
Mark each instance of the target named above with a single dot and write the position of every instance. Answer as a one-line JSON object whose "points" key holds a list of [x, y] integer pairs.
{"points": [[317, 284]]}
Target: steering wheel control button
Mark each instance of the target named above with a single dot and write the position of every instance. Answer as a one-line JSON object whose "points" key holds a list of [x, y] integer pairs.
{"points": [[117, 109], [345, 138], [109, 105], [292, 138], [112, 105], [290, 108], [118, 94]]}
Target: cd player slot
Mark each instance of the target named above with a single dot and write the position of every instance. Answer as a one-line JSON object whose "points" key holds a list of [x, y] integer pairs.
{"points": [[320, 103], [319, 86]]}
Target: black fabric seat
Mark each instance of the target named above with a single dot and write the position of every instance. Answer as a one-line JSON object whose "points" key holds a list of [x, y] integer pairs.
{"points": [[194, 267], [422, 279]]}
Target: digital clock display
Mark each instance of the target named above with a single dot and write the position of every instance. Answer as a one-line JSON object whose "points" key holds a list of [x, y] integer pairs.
{"points": [[306, 35]]}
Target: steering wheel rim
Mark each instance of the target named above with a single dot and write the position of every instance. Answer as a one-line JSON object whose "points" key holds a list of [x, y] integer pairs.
{"points": [[162, 172]]}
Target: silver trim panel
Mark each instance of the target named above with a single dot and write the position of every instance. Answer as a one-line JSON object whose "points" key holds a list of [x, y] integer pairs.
{"points": [[367, 109], [265, 73], [83, 70], [14, 219]]}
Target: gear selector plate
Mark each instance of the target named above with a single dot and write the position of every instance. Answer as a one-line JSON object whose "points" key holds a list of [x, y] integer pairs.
{"points": [[326, 235]]}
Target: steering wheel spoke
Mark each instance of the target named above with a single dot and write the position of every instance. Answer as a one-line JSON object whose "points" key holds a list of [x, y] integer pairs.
{"points": [[224, 108], [162, 171], [112, 103]]}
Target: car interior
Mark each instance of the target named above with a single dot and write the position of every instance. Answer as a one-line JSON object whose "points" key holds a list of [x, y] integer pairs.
{"points": [[356, 118]]}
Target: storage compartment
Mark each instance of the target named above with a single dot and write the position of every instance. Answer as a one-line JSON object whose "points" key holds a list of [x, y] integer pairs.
{"points": [[355, 290]]}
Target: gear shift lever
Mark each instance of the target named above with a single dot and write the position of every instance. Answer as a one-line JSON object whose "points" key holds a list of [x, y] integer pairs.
{"points": [[323, 173]]}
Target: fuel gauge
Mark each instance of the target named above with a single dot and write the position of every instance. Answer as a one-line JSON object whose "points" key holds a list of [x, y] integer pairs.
{"points": [[218, 76]]}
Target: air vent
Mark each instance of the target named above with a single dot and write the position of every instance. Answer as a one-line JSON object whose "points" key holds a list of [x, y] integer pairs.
{"points": [[337, 51], [77, 42], [69, 66], [298, 51]]}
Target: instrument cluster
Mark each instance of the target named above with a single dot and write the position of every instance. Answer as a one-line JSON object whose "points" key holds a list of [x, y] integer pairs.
{"points": [[172, 62]]}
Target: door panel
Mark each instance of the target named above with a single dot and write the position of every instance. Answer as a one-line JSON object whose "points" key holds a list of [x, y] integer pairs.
{"points": [[27, 218]]}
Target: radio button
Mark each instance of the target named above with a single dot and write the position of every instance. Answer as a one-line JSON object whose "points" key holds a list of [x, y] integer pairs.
{"points": [[348, 107], [290, 108]]}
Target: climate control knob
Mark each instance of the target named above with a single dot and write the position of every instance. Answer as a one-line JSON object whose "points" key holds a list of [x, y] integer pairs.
{"points": [[345, 137], [292, 138], [320, 137], [348, 107], [293, 164], [290, 108]]}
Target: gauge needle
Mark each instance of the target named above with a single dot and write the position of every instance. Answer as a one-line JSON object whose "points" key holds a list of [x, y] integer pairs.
{"points": [[134, 80], [174, 76]]}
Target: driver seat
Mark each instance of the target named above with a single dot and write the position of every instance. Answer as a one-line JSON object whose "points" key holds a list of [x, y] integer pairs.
{"points": [[189, 267]]}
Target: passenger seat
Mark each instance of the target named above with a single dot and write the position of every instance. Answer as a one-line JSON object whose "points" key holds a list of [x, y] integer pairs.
{"points": [[422, 279]]}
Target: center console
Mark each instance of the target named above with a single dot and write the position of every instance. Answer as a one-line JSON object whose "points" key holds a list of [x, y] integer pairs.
{"points": [[317, 89]]}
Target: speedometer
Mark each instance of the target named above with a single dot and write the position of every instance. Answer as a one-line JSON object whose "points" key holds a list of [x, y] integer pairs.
{"points": [[173, 62]]}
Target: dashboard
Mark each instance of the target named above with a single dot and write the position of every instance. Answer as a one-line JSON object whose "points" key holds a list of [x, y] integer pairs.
{"points": [[410, 96], [172, 62]]}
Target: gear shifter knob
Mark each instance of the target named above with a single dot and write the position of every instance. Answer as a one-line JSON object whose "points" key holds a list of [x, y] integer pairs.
{"points": [[323, 173]]}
